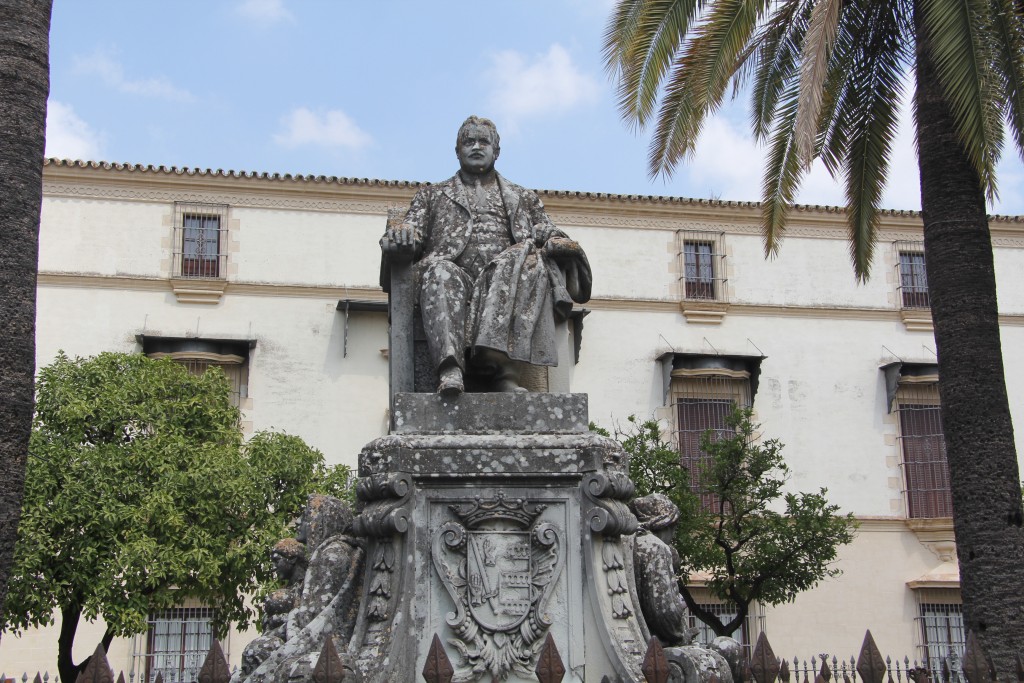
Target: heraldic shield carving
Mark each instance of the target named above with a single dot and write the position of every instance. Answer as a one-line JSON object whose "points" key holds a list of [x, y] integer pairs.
{"points": [[500, 565]]}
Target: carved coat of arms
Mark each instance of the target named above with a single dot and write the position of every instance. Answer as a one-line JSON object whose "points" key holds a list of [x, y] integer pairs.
{"points": [[499, 564]]}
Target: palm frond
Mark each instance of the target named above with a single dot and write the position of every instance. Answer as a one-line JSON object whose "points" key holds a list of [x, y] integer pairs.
{"points": [[782, 173], [875, 89], [721, 39], [640, 45], [679, 121], [777, 47], [864, 26], [817, 53], [1008, 44], [957, 36]]}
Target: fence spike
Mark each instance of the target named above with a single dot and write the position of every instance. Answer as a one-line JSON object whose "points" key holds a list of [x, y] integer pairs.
{"points": [[977, 665], [783, 671], [655, 665], [24, 677], [97, 670], [764, 665], [46, 677], [38, 678], [215, 667], [328, 667], [826, 672], [550, 668], [438, 668], [869, 664], [120, 678]]}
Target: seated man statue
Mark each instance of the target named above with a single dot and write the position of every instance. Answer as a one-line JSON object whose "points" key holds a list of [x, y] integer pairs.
{"points": [[493, 272]]}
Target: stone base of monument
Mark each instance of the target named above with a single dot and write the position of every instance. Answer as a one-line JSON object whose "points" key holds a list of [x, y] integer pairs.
{"points": [[499, 545]]}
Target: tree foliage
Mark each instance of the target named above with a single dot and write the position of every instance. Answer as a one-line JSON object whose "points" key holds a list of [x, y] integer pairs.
{"points": [[140, 493], [825, 81], [748, 549]]}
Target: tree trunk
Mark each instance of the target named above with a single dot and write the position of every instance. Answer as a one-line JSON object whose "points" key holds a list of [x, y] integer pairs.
{"points": [[69, 617], [24, 86], [984, 478]]}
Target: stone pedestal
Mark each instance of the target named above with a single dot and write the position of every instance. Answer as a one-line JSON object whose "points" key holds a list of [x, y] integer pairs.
{"points": [[494, 521]]}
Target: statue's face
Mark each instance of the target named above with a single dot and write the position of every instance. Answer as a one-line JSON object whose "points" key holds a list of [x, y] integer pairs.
{"points": [[476, 150], [283, 565]]}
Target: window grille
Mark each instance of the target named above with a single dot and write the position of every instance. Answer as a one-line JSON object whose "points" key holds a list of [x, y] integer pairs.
{"points": [[200, 235], [912, 276], [177, 642], [923, 446], [236, 372], [702, 264], [942, 625], [199, 355], [726, 612], [702, 400]]}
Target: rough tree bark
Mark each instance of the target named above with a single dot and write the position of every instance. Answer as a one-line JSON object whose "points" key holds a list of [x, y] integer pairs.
{"points": [[24, 87], [985, 482]]}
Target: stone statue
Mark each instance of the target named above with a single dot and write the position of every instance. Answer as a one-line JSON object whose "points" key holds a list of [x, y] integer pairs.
{"points": [[320, 600], [289, 559], [656, 564], [493, 272]]}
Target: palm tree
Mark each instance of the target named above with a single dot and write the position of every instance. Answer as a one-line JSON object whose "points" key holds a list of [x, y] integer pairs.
{"points": [[24, 86], [826, 79]]}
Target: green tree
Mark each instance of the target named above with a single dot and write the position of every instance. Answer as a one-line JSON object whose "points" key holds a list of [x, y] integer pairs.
{"points": [[24, 87], [750, 551], [140, 493], [825, 78]]}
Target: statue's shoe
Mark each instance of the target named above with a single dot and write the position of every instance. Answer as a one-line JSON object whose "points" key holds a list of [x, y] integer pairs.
{"points": [[451, 384]]}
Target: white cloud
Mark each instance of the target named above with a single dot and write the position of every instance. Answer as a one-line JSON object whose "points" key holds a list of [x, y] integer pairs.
{"points": [[548, 83], [332, 128], [69, 137], [264, 11], [112, 73]]}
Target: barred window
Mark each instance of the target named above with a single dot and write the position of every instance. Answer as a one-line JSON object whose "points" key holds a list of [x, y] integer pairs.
{"points": [[200, 355], [942, 625], [703, 398], [923, 448], [912, 277], [177, 642], [199, 239], [725, 612], [703, 266]]}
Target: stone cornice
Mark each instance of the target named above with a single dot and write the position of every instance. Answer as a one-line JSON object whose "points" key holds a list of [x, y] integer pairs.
{"points": [[365, 293], [369, 196]]}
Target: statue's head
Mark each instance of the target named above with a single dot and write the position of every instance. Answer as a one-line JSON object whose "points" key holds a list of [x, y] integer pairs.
{"points": [[657, 514], [477, 145], [287, 556]]}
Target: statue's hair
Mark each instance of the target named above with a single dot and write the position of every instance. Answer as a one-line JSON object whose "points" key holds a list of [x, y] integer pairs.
{"points": [[479, 121], [290, 548], [655, 511]]}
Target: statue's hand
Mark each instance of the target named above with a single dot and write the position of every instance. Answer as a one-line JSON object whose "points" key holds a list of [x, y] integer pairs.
{"points": [[562, 248], [399, 242], [542, 233]]}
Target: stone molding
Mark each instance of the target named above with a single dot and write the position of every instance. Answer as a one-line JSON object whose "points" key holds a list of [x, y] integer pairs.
{"points": [[270, 289], [706, 312], [367, 196], [917, 319], [198, 291]]}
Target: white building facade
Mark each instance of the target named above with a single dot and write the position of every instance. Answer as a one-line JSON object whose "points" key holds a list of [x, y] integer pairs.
{"points": [[275, 279]]}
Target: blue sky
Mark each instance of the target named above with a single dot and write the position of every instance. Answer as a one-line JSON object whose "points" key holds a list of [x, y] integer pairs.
{"points": [[377, 89]]}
